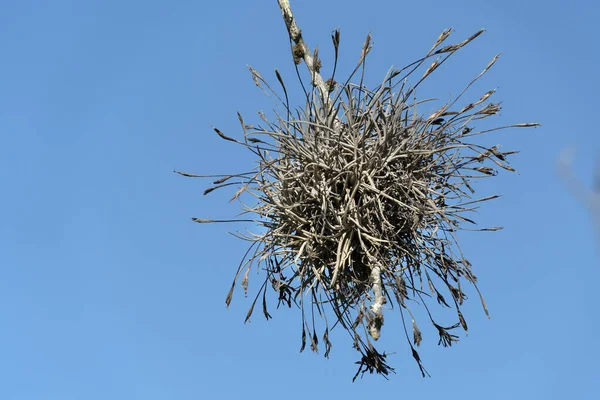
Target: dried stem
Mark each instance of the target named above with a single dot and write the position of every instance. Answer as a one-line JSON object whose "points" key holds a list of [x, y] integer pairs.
{"points": [[377, 307]]}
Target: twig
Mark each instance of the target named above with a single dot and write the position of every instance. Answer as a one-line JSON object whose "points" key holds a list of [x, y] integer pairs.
{"points": [[301, 49], [377, 307]]}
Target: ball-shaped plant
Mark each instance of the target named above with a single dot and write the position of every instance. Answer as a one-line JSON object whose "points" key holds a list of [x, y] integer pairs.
{"points": [[361, 197]]}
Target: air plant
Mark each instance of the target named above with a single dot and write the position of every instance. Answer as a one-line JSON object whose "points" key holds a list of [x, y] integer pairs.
{"points": [[360, 198]]}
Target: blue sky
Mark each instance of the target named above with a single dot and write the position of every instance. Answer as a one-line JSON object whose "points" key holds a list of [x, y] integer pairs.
{"points": [[109, 291]]}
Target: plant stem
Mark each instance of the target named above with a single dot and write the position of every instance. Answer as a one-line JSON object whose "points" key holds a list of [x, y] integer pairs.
{"points": [[377, 306], [295, 34]]}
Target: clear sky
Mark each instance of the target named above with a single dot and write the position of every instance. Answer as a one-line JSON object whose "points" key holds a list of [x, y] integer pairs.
{"points": [[109, 291]]}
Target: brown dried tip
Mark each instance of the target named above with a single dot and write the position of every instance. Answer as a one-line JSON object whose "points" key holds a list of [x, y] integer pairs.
{"points": [[202, 220], [443, 36], [298, 53], [256, 77], [431, 68], [223, 136], [417, 336], [526, 125], [318, 65], [188, 175], [330, 84], [367, 46], [335, 37], [472, 37], [207, 191]]}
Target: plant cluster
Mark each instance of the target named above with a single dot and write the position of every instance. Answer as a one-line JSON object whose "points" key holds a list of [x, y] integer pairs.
{"points": [[360, 197]]}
